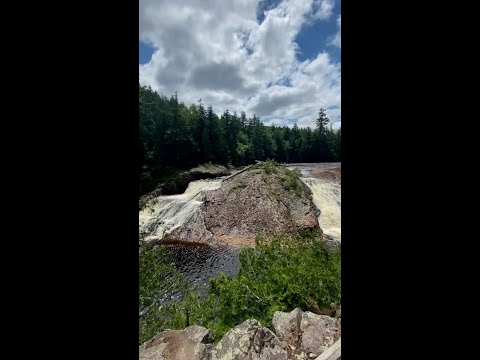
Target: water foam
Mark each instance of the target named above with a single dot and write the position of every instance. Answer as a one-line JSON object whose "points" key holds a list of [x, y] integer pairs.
{"points": [[327, 198], [166, 213]]}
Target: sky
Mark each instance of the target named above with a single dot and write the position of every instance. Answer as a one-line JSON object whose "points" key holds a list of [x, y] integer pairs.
{"points": [[277, 59]]}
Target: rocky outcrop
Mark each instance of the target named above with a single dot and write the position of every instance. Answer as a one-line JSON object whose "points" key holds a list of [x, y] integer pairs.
{"points": [[249, 340], [297, 335], [305, 334], [192, 343], [233, 210], [254, 201], [249, 203]]}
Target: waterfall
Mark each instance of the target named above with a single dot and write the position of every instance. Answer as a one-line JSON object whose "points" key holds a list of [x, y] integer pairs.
{"points": [[327, 198], [165, 213]]}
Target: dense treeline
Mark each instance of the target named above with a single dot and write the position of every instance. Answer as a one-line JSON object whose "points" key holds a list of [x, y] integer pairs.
{"points": [[172, 135]]}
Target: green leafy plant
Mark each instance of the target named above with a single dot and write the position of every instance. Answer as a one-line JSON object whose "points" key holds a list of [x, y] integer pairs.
{"points": [[269, 167], [291, 181]]}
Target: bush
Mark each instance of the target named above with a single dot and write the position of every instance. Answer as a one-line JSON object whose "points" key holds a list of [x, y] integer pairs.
{"points": [[281, 273], [291, 181], [269, 166]]}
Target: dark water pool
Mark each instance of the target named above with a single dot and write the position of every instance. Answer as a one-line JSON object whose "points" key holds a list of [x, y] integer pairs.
{"points": [[200, 263]]}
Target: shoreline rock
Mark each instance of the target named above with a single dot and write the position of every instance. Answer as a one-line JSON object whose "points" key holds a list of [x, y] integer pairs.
{"points": [[296, 335]]}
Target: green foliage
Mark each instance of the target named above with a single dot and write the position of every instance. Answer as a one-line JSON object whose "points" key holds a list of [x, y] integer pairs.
{"points": [[156, 274], [269, 166], [157, 277], [279, 274], [291, 181]]}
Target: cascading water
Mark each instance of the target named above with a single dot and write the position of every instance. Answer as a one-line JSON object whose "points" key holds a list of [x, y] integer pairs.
{"points": [[327, 197], [166, 213]]}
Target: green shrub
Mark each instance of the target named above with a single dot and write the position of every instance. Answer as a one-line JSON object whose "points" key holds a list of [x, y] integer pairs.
{"points": [[291, 181], [269, 166]]}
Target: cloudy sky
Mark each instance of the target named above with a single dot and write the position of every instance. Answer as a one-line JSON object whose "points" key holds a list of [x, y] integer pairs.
{"points": [[278, 59]]}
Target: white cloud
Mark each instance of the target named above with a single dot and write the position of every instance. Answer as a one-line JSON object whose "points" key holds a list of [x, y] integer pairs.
{"points": [[217, 51], [322, 9], [336, 40]]}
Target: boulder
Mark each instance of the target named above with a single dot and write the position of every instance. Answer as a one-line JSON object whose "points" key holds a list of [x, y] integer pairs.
{"points": [[249, 340], [305, 334], [191, 343]]}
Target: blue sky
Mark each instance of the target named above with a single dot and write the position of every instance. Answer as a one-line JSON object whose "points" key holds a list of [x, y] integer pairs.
{"points": [[278, 59], [145, 52]]}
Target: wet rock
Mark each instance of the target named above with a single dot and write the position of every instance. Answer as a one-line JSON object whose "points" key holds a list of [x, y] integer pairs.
{"points": [[193, 230], [192, 343], [305, 334], [249, 340]]}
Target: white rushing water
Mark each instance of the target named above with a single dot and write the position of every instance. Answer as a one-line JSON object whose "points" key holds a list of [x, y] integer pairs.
{"points": [[168, 212], [327, 197]]}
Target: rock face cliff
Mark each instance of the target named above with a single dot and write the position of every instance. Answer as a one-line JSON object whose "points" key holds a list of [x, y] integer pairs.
{"points": [[260, 199]]}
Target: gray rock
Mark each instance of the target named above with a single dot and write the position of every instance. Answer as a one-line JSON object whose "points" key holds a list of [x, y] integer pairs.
{"points": [[192, 343], [318, 332], [306, 332], [287, 327], [249, 340]]}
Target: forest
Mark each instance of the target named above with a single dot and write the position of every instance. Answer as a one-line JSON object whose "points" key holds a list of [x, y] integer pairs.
{"points": [[174, 136]]}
